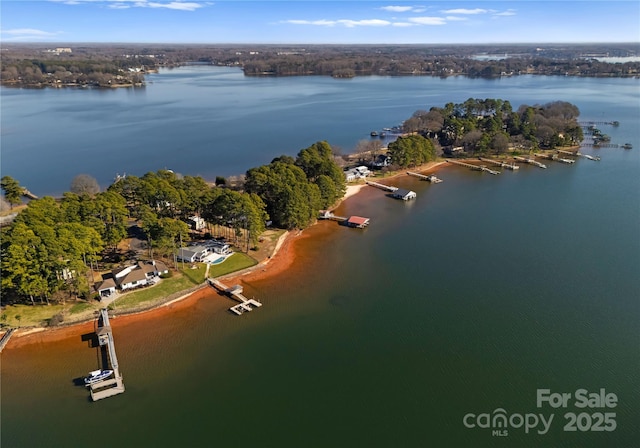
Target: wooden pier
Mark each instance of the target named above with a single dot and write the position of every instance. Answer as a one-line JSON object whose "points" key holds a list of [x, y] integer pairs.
{"points": [[474, 167], [430, 177], [555, 158], [5, 338], [381, 186], [235, 292], [579, 154], [509, 166], [110, 386], [531, 161], [605, 145], [27, 194]]}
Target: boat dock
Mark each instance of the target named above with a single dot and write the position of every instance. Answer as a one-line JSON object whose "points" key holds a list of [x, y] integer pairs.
{"points": [[606, 145], [579, 154], [27, 194], [381, 186], [555, 158], [431, 177], [235, 292], [5, 338], [110, 386], [509, 166], [474, 167], [531, 162]]}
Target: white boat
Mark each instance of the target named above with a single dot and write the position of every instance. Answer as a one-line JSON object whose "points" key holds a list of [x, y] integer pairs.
{"points": [[97, 375]]}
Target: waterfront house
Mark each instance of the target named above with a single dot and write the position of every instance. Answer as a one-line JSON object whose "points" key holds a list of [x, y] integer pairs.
{"points": [[403, 194], [359, 172], [192, 254], [139, 274]]}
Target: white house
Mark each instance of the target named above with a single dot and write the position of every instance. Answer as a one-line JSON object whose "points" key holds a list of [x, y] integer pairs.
{"points": [[197, 223], [139, 274], [192, 254], [359, 172]]}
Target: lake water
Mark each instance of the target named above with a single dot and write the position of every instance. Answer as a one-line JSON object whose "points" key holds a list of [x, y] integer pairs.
{"points": [[467, 300]]}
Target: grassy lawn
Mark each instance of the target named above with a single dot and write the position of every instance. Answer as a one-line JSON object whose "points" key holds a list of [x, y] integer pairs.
{"points": [[81, 307], [166, 287], [195, 275], [235, 262], [29, 315]]}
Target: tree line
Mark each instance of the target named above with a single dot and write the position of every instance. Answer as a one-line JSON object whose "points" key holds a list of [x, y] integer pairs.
{"points": [[52, 247], [480, 126], [108, 65]]}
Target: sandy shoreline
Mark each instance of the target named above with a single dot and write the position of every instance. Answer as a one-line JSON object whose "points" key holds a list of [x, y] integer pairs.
{"points": [[278, 262]]}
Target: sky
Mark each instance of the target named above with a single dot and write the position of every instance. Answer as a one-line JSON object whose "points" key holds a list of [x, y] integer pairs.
{"points": [[319, 21]]}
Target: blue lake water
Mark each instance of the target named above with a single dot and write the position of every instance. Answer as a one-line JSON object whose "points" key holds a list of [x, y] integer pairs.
{"points": [[467, 300]]}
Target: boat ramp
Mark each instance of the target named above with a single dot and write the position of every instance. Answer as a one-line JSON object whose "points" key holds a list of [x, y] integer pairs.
{"points": [[109, 386], [530, 161], [430, 177], [474, 167], [235, 292]]}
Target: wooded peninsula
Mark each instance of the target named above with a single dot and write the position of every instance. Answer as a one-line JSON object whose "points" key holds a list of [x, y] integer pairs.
{"points": [[125, 65], [54, 246]]}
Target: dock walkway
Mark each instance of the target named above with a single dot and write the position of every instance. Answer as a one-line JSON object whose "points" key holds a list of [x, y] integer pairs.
{"points": [[5, 338], [474, 167], [235, 292], [382, 186], [579, 154], [430, 177], [111, 386], [531, 161], [509, 166]]}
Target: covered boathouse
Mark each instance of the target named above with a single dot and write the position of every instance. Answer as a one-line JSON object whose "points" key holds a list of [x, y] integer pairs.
{"points": [[403, 194], [358, 221]]}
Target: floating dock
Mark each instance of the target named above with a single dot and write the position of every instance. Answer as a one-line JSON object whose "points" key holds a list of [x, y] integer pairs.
{"points": [[509, 166], [429, 177], [381, 186], [474, 167], [531, 161], [110, 386], [235, 292]]}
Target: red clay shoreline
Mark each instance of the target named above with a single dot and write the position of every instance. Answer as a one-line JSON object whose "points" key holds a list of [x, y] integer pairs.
{"points": [[279, 262]]}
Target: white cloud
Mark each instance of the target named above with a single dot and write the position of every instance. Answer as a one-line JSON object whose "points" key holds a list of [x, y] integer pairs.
{"points": [[465, 11], [508, 12], [417, 9], [456, 18], [428, 20], [397, 8], [22, 31], [126, 4], [344, 22], [22, 34]]}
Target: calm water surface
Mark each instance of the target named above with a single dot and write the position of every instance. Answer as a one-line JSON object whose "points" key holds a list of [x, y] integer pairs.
{"points": [[469, 299]]}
